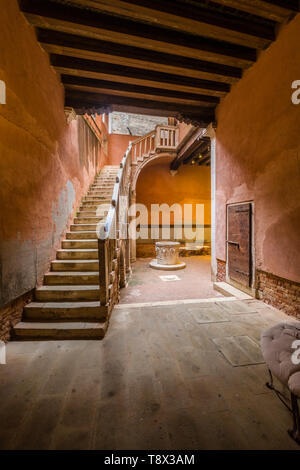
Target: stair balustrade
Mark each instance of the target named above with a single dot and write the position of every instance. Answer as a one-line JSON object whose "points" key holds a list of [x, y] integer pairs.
{"points": [[113, 238], [113, 242], [162, 139]]}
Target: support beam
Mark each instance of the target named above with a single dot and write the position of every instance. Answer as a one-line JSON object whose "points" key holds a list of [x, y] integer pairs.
{"points": [[105, 51], [77, 99], [191, 18], [128, 90], [188, 147], [48, 15], [278, 11], [122, 73]]}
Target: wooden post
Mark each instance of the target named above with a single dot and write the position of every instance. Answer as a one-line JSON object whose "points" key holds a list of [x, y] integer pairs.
{"points": [[104, 263]]}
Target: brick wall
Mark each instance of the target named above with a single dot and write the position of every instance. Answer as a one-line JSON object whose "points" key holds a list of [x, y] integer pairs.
{"points": [[11, 314], [278, 292], [221, 270]]}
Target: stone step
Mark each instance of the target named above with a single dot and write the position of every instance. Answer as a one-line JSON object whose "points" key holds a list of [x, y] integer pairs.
{"points": [[67, 293], [76, 254], [106, 177], [59, 331], [96, 198], [87, 220], [101, 183], [104, 182], [95, 201], [81, 235], [69, 278], [83, 228], [79, 265], [80, 244], [88, 213], [100, 194], [100, 211], [94, 205]]}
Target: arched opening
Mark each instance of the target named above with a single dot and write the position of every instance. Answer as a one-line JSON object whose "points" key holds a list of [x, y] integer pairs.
{"points": [[160, 191]]}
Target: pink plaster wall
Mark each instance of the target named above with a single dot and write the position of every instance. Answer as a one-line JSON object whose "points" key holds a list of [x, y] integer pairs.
{"points": [[43, 172], [117, 146], [258, 155]]}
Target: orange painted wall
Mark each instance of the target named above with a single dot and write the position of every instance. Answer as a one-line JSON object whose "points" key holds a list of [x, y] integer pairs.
{"points": [[117, 146], [191, 184], [43, 173], [102, 123], [257, 155]]}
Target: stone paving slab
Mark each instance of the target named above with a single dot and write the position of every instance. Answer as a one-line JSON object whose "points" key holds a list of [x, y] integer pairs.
{"points": [[239, 350], [157, 381]]}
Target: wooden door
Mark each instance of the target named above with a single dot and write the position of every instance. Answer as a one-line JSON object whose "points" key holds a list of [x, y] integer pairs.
{"points": [[239, 243]]}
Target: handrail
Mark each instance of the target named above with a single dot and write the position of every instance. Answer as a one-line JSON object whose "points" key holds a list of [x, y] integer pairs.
{"points": [[139, 139], [113, 243], [163, 137]]}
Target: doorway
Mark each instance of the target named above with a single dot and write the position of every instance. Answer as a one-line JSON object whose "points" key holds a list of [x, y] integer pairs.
{"points": [[240, 244]]}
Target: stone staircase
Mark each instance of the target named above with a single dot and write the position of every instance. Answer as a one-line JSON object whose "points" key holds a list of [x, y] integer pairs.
{"points": [[67, 306]]}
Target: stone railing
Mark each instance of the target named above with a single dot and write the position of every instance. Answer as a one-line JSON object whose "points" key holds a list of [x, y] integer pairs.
{"points": [[162, 139], [113, 242]]}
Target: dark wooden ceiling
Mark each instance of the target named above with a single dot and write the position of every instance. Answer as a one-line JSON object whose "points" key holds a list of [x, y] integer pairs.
{"points": [[163, 57]]}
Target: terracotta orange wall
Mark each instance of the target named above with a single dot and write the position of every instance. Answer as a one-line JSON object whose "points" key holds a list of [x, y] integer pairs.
{"points": [[117, 146], [257, 155], [42, 173], [103, 126], [191, 184]]}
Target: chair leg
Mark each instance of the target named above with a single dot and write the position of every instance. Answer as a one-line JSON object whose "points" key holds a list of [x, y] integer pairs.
{"points": [[270, 384], [295, 432]]}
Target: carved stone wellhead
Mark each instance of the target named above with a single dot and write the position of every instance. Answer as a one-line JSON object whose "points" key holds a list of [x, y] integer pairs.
{"points": [[167, 256]]}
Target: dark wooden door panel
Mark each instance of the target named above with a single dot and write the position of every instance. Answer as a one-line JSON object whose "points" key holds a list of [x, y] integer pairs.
{"points": [[239, 243]]}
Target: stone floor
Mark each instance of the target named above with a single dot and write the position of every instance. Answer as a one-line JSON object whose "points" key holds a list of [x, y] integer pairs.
{"points": [[165, 377], [146, 284]]}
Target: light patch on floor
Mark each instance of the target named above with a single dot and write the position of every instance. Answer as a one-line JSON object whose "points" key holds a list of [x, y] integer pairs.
{"points": [[136, 293], [239, 350], [237, 307], [170, 278]]}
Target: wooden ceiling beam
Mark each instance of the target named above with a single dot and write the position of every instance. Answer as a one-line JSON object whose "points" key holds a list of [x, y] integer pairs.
{"points": [[95, 103], [94, 49], [162, 99], [140, 76], [191, 18], [137, 82], [75, 21], [278, 11], [193, 143], [120, 100], [125, 89]]}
